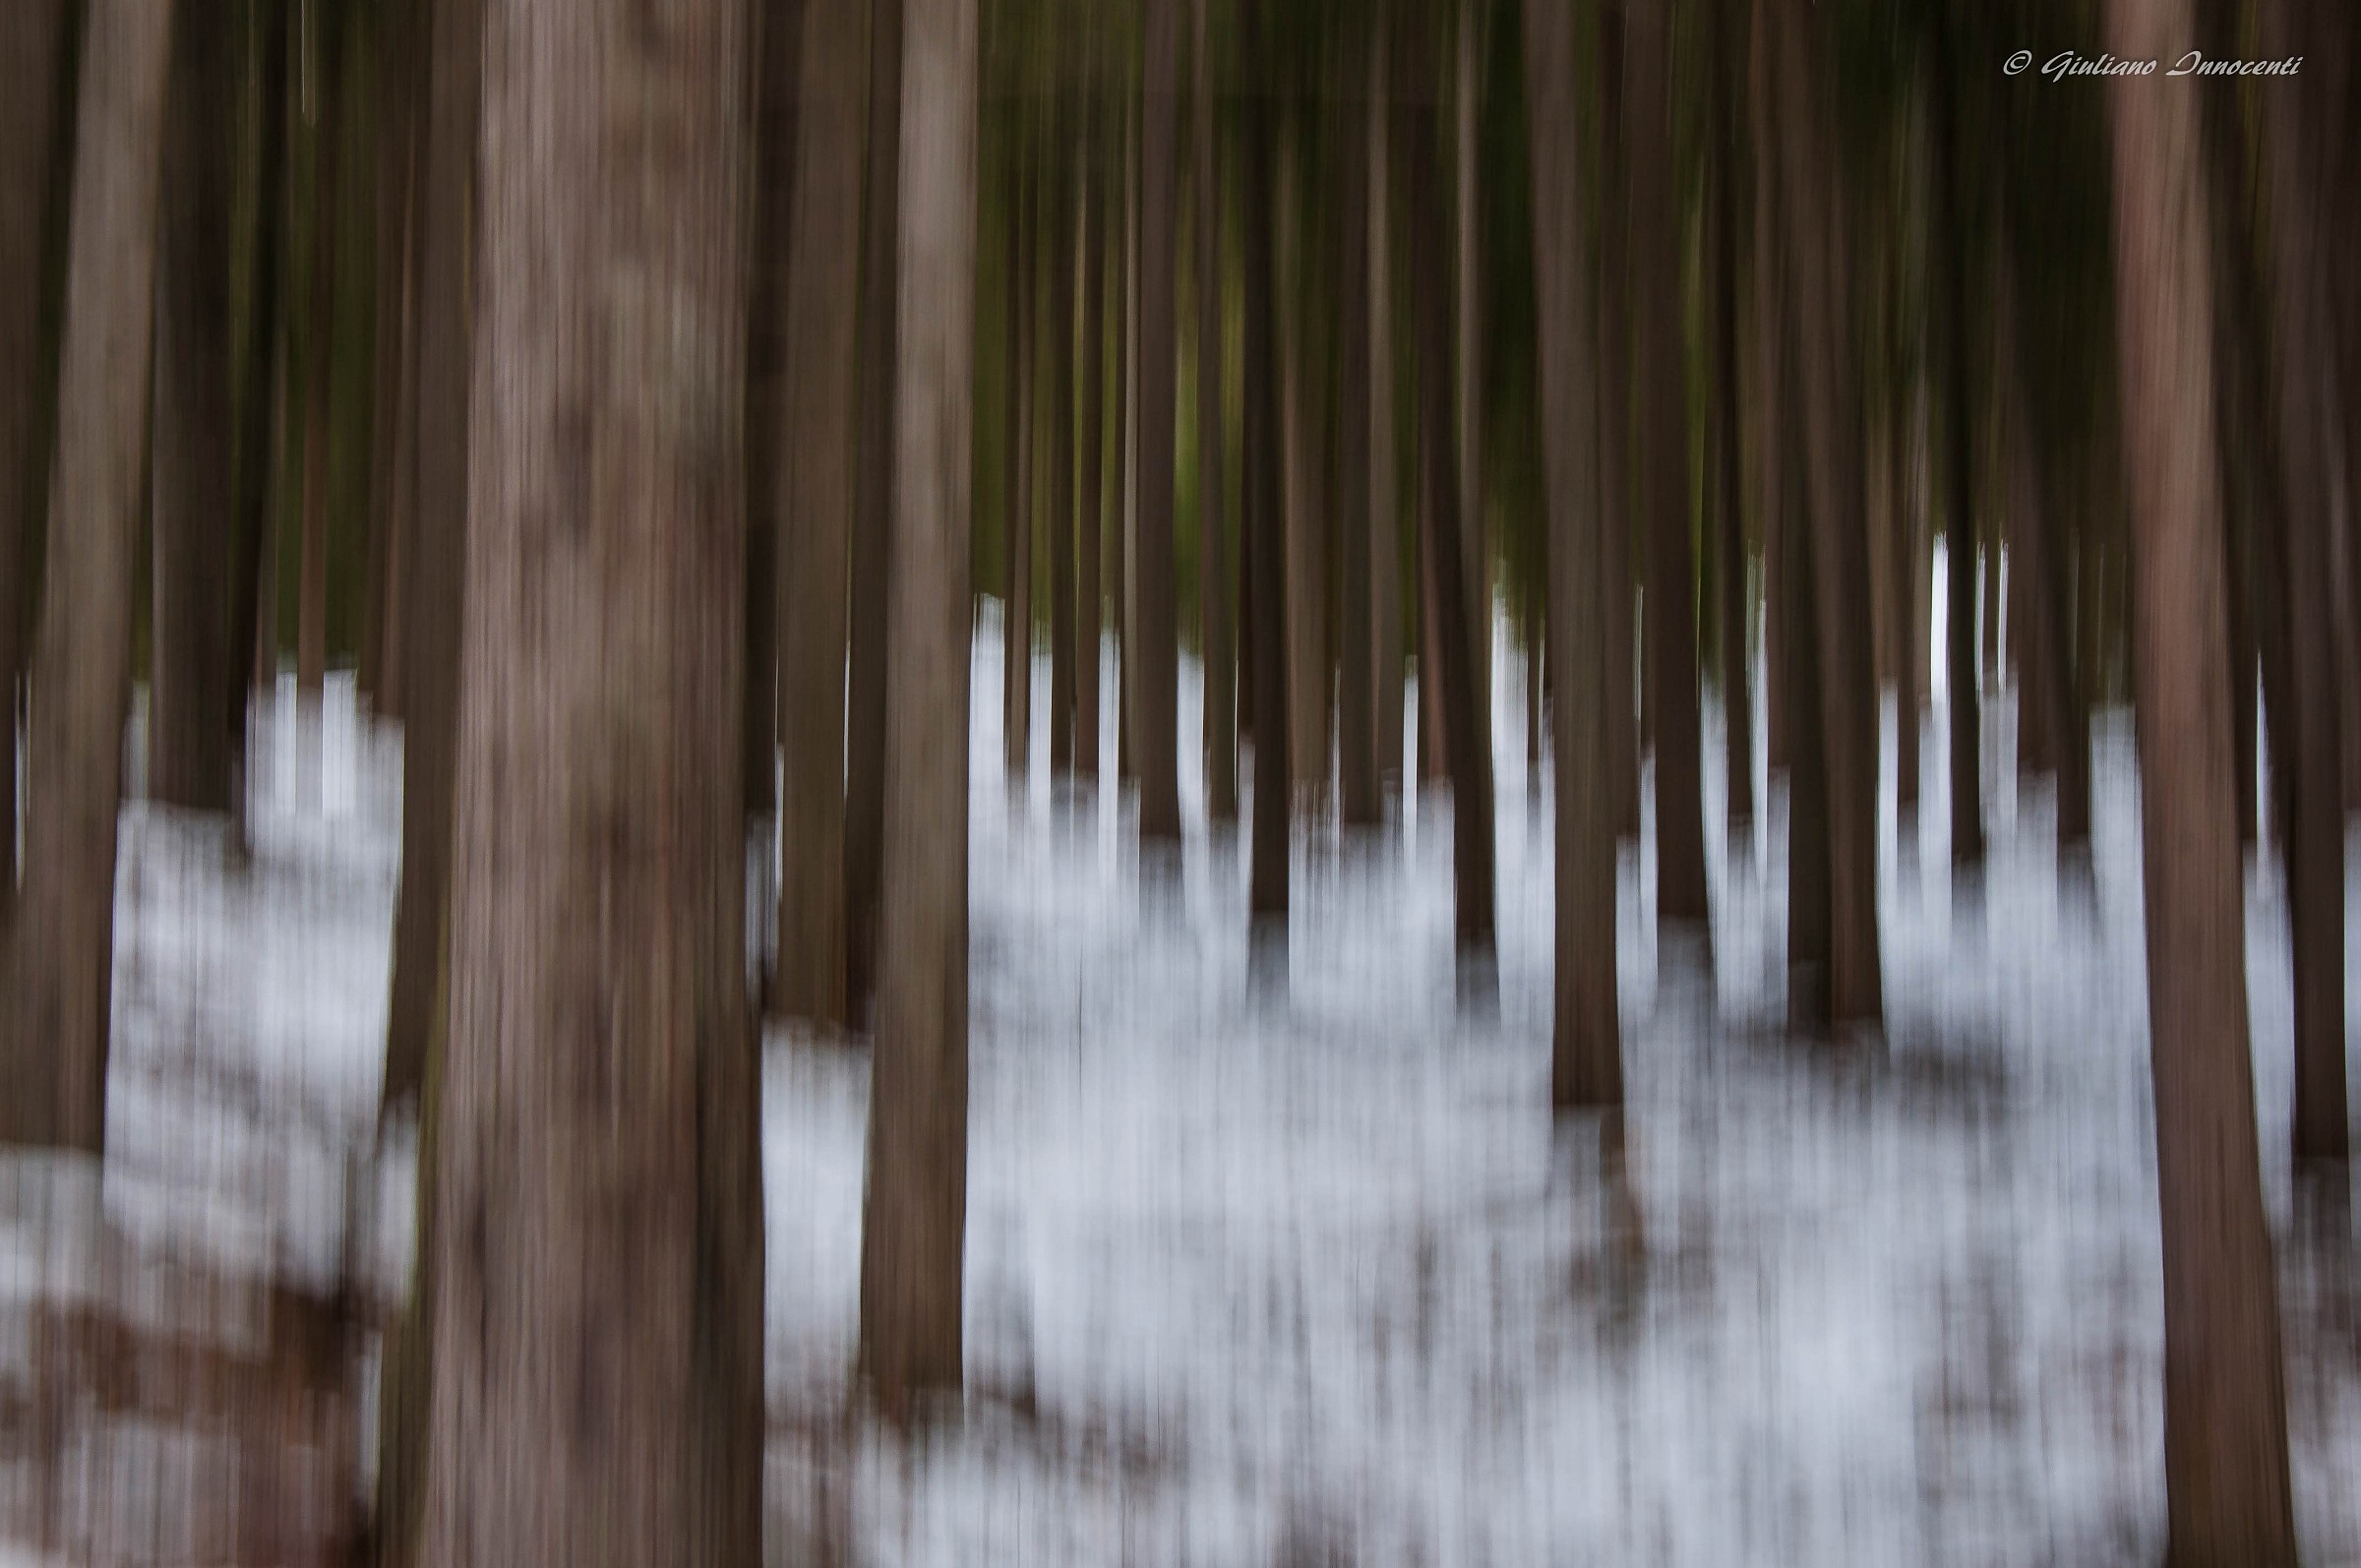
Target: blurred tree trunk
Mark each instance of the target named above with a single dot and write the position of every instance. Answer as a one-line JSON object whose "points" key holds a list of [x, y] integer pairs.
{"points": [[1123, 570], [1614, 421], [437, 587], [1156, 690], [1464, 733], [1904, 561], [190, 496], [1586, 1031], [1262, 521], [1663, 411], [1213, 553], [1812, 216], [1729, 519], [778, 28], [597, 1324], [815, 510], [1306, 600], [1468, 340], [58, 963], [912, 1236], [872, 532], [328, 63], [1062, 232], [1016, 626], [32, 62], [1359, 798], [2225, 1415], [1947, 322], [1101, 248], [1385, 512], [2310, 427], [401, 43]]}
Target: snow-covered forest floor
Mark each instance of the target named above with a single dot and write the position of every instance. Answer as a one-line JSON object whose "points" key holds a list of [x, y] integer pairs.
{"points": [[1304, 1280]]}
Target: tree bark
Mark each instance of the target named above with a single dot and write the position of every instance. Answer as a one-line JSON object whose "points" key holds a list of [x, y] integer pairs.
{"points": [[1099, 246], [1262, 522], [1385, 512], [1475, 555], [1586, 1024], [1949, 325], [1615, 420], [438, 586], [1360, 803], [1016, 626], [31, 68], [60, 940], [1464, 733], [597, 1322], [911, 1238], [1063, 233], [816, 511], [396, 38], [865, 728], [778, 41], [1738, 701], [1307, 666], [1670, 629], [319, 342], [1156, 693], [2225, 1418], [188, 759], [1214, 552]]}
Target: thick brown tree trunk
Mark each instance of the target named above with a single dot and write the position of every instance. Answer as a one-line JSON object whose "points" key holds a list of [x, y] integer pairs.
{"points": [[190, 499], [1465, 731], [1214, 552], [31, 64], [1262, 520], [865, 723], [815, 510], [778, 42], [1614, 421], [1949, 325], [1156, 690], [1586, 1030], [328, 62], [58, 963], [1360, 803], [597, 1351], [912, 1238], [1670, 628], [1385, 514], [446, 335], [2226, 1413], [1017, 605]]}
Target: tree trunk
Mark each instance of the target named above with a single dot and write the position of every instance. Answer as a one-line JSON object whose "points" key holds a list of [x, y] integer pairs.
{"points": [[1125, 569], [1016, 626], [1307, 521], [319, 342], [1949, 325], [31, 68], [1214, 552], [1155, 693], [1263, 522], [1905, 563], [1586, 1029], [2226, 1413], [1663, 409], [912, 1238], [188, 762], [599, 1278], [778, 40], [1614, 422], [1062, 234], [1360, 803], [1737, 701], [1100, 244], [1464, 733], [864, 730], [60, 941], [1385, 513], [446, 334], [396, 38], [1468, 340], [816, 511]]}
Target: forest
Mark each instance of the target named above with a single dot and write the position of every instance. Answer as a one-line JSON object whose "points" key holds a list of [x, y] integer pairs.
{"points": [[1265, 782]]}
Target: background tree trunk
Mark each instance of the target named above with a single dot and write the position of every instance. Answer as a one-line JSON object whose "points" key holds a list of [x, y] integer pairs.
{"points": [[188, 762], [1307, 667], [1062, 232], [816, 511], [1100, 247], [1214, 551], [60, 941], [1475, 555], [1586, 1028], [446, 334], [912, 1236], [2226, 1413], [1385, 510], [327, 18], [402, 40], [1261, 517], [1614, 421], [778, 41], [597, 1324], [1360, 802], [1016, 642], [1154, 715], [1737, 699], [1945, 249]]}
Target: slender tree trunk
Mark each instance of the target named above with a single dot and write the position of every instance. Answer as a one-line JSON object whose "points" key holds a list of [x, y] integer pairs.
{"points": [[2225, 1415], [1016, 642], [1737, 701], [1614, 421], [60, 941], [1586, 1030], [1467, 341], [395, 37], [1663, 406], [327, 18], [1905, 563], [1263, 521], [912, 1238], [190, 498], [1300, 462], [1464, 733], [1123, 570], [597, 1324], [1949, 324], [816, 511], [778, 40], [872, 533], [1063, 233], [1385, 514], [1155, 716], [1361, 803], [1214, 552], [1099, 245], [32, 69]]}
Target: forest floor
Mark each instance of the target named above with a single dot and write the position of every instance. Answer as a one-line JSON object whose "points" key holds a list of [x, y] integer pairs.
{"points": [[1256, 1281]]}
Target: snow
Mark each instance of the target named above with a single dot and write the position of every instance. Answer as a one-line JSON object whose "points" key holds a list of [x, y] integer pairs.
{"points": [[1315, 1277]]}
